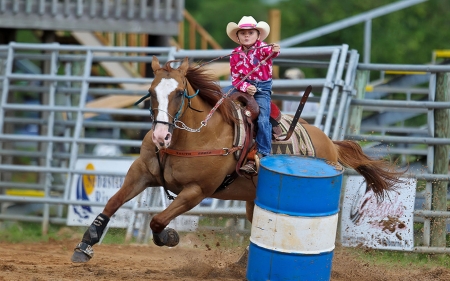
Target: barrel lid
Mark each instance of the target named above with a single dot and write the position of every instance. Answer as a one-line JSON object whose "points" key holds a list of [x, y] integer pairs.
{"points": [[297, 165]]}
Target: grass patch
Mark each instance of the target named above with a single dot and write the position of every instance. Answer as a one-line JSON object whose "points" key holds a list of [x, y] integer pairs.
{"points": [[23, 232], [30, 232], [403, 259], [115, 236]]}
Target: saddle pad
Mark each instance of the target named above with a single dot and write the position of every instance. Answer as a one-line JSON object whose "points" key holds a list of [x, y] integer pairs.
{"points": [[298, 143], [239, 130]]}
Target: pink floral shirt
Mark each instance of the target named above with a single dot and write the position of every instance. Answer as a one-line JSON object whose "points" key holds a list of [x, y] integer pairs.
{"points": [[242, 63]]}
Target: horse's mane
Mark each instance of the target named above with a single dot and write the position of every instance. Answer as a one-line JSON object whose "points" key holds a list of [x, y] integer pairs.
{"points": [[210, 91]]}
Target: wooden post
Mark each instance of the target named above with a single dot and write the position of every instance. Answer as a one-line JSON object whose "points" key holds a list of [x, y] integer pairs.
{"points": [[441, 160], [181, 34], [192, 41], [143, 42], [274, 35]]}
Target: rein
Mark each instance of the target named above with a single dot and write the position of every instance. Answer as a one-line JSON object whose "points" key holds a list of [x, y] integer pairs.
{"points": [[219, 102], [195, 153], [237, 52]]}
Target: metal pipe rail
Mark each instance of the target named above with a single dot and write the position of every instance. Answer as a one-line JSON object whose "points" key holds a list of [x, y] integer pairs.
{"points": [[402, 104], [55, 201], [394, 139], [11, 137], [198, 210], [323, 52], [48, 108], [419, 176], [81, 48], [65, 170], [89, 124], [403, 67]]}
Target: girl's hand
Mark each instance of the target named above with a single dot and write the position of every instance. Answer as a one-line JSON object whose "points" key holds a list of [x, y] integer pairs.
{"points": [[251, 90], [275, 48]]}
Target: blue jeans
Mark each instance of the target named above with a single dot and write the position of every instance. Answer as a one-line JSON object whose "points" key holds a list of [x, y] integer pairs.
{"points": [[264, 130], [264, 127]]}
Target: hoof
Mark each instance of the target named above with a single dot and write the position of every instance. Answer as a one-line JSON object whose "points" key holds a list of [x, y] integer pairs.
{"points": [[80, 257], [82, 253], [168, 237]]}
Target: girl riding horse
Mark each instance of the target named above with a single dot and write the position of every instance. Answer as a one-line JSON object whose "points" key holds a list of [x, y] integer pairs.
{"points": [[190, 151]]}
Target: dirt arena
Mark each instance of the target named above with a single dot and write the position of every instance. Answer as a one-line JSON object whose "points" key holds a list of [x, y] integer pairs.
{"points": [[192, 260]]}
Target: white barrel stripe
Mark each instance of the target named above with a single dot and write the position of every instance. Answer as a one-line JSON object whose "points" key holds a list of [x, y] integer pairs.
{"points": [[293, 234]]}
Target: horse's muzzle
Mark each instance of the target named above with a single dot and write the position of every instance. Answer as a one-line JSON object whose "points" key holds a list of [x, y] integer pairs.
{"points": [[161, 136]]}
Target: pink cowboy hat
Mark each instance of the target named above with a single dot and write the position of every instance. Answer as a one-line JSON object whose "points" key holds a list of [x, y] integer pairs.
{"points": [[248, 22]]}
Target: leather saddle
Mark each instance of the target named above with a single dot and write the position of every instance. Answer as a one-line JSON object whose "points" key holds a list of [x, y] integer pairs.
{"points": [[250, 110]]}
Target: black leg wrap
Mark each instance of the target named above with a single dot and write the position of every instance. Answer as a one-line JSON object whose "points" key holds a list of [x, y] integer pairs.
{"points": [[95, 230], [83, 252], [168, 237]]}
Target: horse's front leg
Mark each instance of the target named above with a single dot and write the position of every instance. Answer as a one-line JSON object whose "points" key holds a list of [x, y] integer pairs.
{"points": [[134, 184], [187, 199]]}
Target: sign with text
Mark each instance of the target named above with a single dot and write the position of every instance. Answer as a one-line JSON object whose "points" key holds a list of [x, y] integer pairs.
{"points": [[387, 224], [97, 188]]}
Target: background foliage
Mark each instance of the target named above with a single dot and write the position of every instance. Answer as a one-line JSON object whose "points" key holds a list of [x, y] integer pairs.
{"points": [[408, 36]]}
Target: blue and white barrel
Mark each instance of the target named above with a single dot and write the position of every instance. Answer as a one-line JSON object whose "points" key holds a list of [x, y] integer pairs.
{"points": [[295, 219]]}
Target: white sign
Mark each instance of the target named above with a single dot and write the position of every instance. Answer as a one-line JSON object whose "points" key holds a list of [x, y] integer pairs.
{"points": [[97, 188], [380, 225]]}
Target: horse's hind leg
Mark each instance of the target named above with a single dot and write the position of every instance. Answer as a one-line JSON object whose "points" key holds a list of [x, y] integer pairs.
{"points": [[134, 184]]}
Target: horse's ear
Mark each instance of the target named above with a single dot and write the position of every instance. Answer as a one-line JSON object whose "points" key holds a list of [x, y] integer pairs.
{"points": [[155, 64], [184, 66]]}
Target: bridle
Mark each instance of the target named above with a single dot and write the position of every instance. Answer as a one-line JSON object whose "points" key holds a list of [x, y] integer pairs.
{"points": [[178, 114], [175, 120]]}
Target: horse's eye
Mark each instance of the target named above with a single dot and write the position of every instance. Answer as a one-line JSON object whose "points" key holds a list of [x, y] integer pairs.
{"points": [[180, 92]]}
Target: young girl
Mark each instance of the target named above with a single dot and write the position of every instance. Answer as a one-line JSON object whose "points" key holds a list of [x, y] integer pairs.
{"points": [[255, 56]]}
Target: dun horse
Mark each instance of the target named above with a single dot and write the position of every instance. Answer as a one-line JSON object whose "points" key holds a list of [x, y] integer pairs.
{"points": [[196, 125]]}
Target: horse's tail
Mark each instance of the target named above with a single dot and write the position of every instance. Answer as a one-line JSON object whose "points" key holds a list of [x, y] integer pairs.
{"points": [[380, 175]]}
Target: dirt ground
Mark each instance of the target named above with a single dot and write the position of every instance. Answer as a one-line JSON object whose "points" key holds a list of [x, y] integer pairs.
{"points": [[192, 260]]}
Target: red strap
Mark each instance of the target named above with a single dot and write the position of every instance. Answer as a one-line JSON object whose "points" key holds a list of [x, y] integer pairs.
{"points": [[195, 153]]}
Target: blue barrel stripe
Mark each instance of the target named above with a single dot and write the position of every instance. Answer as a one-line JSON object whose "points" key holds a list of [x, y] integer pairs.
{"points": [[264, 265], [313, 191], [295, 219]]}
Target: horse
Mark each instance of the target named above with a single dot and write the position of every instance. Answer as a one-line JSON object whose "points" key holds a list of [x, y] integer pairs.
{"points": [[189, 151]]}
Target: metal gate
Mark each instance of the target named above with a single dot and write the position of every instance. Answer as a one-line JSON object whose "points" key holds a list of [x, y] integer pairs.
{"points": [[59, 104]]}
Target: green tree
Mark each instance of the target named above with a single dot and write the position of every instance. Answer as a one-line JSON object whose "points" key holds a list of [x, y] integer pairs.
{"points": [[408, 36]]}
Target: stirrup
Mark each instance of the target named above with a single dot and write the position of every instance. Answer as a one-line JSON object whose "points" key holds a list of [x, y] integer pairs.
{"points": [[249, 167]]}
